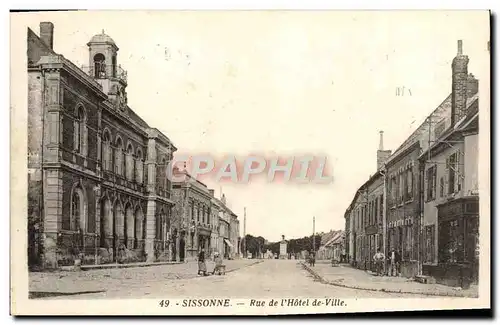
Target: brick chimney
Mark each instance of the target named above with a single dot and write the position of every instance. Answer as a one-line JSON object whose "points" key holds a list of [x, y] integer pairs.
{"points": [[382, 155], [472, 85], [459, 85], [47, 33]]}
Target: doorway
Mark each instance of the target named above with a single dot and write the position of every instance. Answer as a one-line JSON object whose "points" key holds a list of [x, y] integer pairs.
{"points": [[182, 245]]}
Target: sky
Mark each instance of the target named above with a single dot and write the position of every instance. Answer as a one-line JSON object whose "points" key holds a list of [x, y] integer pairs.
{"points": [[282, 83]]}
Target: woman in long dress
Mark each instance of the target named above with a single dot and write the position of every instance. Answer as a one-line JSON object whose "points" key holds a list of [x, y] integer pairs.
{"points": [[202, 266]]}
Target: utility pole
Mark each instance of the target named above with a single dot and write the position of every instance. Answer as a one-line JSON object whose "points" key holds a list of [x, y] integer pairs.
{"points": [[314, 235], [245, 232]]}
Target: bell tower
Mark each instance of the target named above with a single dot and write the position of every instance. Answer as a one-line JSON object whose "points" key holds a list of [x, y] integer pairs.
{"points": [[104, 69]]}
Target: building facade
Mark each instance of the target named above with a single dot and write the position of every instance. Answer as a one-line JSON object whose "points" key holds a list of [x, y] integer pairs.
{"points": [[234, 229], [449, 174], [97, 185], [193, 213], [403, 214], [430, 214], [215, 245]]}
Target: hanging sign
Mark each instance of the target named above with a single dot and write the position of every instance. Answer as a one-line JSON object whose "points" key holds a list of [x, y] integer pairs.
{"points": [[406, 221]]}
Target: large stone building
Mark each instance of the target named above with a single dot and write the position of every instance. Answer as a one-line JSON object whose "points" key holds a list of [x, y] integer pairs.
{"points": [[229, 230], [431, 211], [194, 218], [97, 189], [234, 231]]}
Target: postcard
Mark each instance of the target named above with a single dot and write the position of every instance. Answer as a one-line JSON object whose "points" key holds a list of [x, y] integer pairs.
{"points": [[249, 162]]}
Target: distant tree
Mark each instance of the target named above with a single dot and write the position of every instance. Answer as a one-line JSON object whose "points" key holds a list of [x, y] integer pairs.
{"points": [[255, 245]]}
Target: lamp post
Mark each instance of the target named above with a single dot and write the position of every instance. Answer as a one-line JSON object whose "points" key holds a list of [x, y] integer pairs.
{"points": [[314, 235], [191, 232]]}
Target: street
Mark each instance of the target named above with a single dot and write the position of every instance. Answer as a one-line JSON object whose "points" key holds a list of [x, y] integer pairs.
{"points": [[246, 279]]}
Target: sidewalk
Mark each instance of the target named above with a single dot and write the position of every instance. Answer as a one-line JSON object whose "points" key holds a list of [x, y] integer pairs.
{"points": [[117, 266], [348, 277], [97, 280]]}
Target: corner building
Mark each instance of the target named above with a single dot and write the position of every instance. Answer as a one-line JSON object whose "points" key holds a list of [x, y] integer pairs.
{"points": [[97, 185]]}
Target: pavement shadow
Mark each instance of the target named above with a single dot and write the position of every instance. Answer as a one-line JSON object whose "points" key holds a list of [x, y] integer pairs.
{"points": [[45, 294]]}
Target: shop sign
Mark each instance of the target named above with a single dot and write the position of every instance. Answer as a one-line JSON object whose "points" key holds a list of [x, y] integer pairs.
{"points": [[406, 221]]}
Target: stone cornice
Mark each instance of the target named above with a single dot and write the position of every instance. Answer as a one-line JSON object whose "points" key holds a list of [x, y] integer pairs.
{"points": [[59, 62]]}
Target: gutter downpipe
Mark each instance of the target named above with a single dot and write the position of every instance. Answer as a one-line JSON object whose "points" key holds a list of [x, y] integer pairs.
{"points": [[383, 171]]}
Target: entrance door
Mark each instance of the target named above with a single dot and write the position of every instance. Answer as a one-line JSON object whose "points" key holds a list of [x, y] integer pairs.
{"points": [[182, 245]]}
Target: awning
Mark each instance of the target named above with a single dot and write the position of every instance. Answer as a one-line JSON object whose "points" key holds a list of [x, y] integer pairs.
{"points": [[228, 243]]}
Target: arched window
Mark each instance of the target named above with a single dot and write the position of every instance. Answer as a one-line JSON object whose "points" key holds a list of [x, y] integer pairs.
{"points": [[139, 233], [113, 63], [139, 167], [129, 227], [198, 213], [106, 151], [80, 131], [119, 222], [78, 218], [106, 222], [129, 163], [159, 225], [99, 66], [119, 157]]}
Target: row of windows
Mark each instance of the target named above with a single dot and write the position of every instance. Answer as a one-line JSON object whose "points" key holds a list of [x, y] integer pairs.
{"points": [[403, 239], [369, 214], [115, 222], [128, 163], [450, 183], [366, 246], [401, 187], [201, 214]]}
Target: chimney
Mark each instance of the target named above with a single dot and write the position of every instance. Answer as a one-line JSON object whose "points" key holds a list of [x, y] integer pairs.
{"points": [[382, 155], [459, 85], [47, 33], [472, 85], [212, 192], [381, 142]]}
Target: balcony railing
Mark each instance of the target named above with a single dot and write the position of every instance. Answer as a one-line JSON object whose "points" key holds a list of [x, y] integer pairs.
{"points": [[105, 71]]}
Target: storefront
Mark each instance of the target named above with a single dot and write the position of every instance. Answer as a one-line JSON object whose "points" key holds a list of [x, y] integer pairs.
{"points": [[458, 243], [403, 238], [228, 248], [373, 243]]}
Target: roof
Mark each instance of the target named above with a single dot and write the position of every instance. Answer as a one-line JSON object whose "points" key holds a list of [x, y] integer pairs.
{"points": [[334, 238], [327, 236], [102, 38], [471, 116], [422, 129], [370, 180], [133, 115]]}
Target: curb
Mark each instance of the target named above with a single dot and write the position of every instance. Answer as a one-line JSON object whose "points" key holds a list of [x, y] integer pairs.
{"points": [[322, 280], [115, 266], [251, 264]]}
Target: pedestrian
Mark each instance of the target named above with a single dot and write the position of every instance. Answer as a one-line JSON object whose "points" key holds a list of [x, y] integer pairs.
{"points": [[397, 263], [313, 259], [392, 262], [218, 264], [202, 266], [379, 260]]}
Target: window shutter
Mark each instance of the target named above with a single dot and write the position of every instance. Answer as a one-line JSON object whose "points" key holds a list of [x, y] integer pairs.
{"points": [[76, 134], [458, 169], [85, 140]]}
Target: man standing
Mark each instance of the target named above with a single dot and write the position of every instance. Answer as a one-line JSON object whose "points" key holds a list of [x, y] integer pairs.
{"points": [[393, 261], [202, 267], [379, 260]]}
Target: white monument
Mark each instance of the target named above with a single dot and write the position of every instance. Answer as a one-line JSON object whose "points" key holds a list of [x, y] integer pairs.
{"points": [[283, 248]]}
